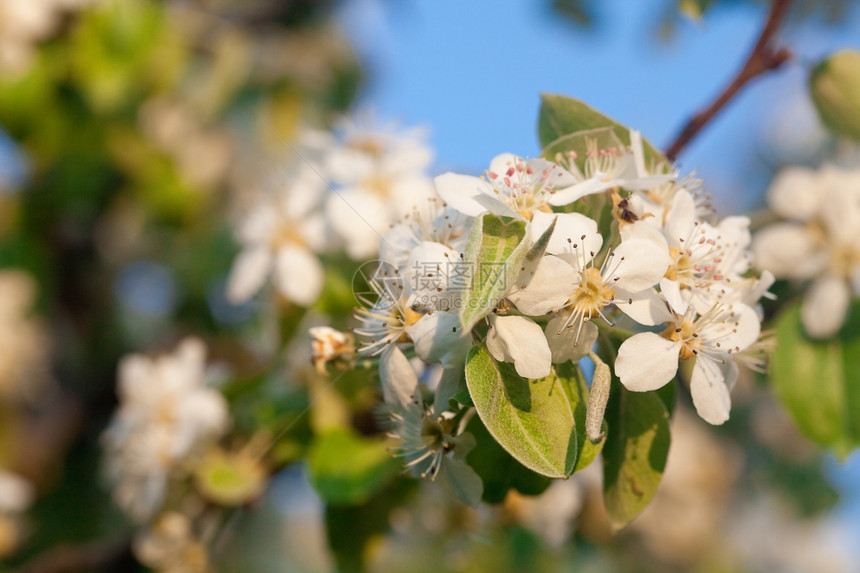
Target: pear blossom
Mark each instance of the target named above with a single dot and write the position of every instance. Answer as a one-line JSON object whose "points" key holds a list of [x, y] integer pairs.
{"points": [[432, 445], [819, 241], [708, 261], [436, 336], [166, 414], [647, 361], [608, 166], [376, 175], [511, 187], [572, 285], [280, 237]]}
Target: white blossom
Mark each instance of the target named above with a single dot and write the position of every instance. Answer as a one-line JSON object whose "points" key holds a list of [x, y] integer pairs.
{"points": [[647, 361], [818, 242], [280, 237], [166, 413]]}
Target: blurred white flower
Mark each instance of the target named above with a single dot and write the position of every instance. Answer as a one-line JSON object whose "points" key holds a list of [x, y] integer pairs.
{"points": [[281, 236], [16, 496], [819, 241], [376, 176], [166, 414]]}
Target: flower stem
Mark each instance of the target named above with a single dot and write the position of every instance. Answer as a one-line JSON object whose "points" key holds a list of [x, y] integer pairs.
{"points": [[764, 57]]}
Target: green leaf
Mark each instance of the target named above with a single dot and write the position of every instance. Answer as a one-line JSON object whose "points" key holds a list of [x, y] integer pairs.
{"points": [[634, 456], [497, 469], [818, 384], [346, 468], [834, 84], [531, 419], [577, 392], [563, 118], [494, 251]]}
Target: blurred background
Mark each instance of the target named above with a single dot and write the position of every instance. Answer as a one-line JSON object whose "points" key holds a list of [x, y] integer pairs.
{"points": [[131, 135]]}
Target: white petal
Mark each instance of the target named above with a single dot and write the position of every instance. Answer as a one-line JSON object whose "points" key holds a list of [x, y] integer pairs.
{"points": [[439, 339], [299, 275], [787, 250], [646, 361], [553, 282], [824, 306], [640, 264], [521, 341], [568, 226], [399, 381], [681, 218], [709, 390], [460, 192], [359, 218], [647, 307], [501, 162], [250, 270], [794, 193], [569, 194], [671, 290], [565, 346]]}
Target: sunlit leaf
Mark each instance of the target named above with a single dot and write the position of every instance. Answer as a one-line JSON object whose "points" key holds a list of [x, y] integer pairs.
{"points": [[531, 419], [635, 452]]}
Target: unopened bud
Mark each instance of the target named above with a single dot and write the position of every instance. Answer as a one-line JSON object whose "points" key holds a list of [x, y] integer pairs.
{"points": [[597, 399], [835, 87], [328, 345]]}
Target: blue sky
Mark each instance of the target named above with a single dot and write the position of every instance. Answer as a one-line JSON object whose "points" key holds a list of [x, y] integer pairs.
{"points": [[473, 75]]}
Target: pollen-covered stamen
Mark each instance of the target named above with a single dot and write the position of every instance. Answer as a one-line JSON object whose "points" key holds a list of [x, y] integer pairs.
{"points": [[696, 262], [523, 188], [706, 334], [384, 323], [423, 439], [432, 221], [593, 291]]}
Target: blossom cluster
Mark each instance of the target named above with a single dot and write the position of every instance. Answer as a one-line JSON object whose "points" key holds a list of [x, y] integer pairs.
{"points": [[345, 189], [817, 241], [665, 277]]}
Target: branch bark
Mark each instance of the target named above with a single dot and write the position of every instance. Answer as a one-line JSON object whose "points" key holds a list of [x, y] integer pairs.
{"points": [[763, 58]]}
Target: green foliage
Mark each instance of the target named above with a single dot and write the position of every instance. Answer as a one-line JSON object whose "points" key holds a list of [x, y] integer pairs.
{"points": [[531, 419], [635, 453], [497, 469], [347, 469], [495, 250], [563, 119], [834, 84], [819, 381]]}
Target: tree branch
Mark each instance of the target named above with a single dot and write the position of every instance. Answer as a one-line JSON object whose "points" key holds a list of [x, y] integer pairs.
{"points": [[763, 58]]}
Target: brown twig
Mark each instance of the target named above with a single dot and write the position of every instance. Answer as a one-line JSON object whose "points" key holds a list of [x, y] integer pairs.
{"points": [[763, 58]]}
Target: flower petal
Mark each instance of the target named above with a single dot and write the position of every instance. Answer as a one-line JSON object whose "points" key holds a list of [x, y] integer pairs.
{"points": [[647, 307], [460, 192], [564, 345], [553, 282], [708, 387], [824, 306], [640, 264], [299, 275], [440, 339], [249, 272], [521, 341], [399, 381], [646, 361]]}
